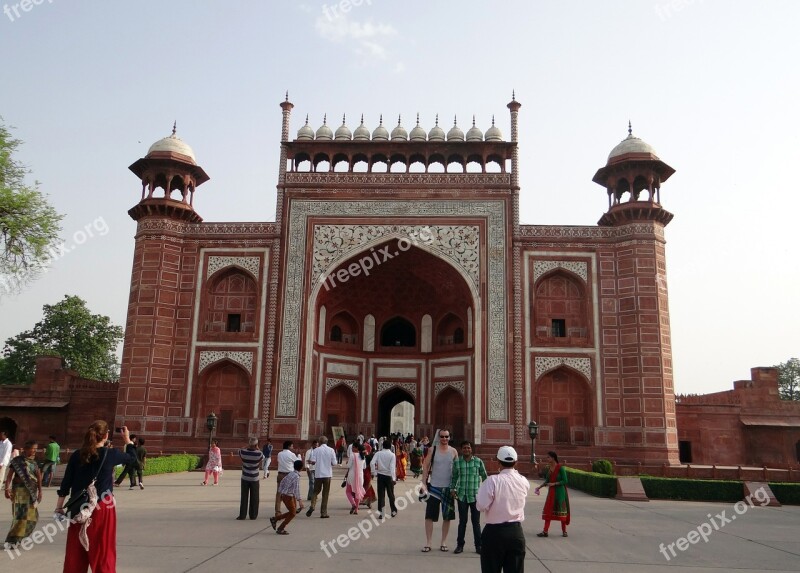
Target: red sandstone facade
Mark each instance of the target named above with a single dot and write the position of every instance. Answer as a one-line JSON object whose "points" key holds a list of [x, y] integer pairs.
{"points": [[397, 270], [749, 425], [58, 403]]}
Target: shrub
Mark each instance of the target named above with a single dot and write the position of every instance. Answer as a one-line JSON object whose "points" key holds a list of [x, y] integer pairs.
{"points": [[169, 464], [786, 493], [603, 467], [692, 489], [593, 483]]}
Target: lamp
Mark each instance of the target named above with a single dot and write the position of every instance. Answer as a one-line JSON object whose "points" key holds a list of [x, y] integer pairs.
{"points": [[211, 424], [533, 432]]}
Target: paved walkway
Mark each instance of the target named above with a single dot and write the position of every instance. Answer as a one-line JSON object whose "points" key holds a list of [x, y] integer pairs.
{"points": [[176, 525]]}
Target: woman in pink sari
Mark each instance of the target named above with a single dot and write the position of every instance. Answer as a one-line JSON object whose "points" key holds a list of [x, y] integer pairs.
{"points": [[214, 465], [355, 478]]}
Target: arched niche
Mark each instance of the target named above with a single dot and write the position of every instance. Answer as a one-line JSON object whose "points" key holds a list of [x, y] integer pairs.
{"points": [[225, 390], [561, 309], [343, 329], [563, 406], [340, 410], [450, 413], [231, 302], [450, 332], [398, 332]]}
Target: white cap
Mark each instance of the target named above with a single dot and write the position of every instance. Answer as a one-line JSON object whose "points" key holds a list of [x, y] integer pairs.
{"points": [[507, 454]]}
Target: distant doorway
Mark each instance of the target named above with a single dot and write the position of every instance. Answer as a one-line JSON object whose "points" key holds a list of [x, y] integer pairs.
{"points": [[797, 450], [340, 410], [685, 451], [387, 403]]}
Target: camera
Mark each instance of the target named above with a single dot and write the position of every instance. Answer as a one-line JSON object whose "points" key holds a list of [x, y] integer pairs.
{"points": [[118, 430]]}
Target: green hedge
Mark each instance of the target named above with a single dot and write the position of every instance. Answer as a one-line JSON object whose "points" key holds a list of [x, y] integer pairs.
{"points": [[692, 489], [603, 467], [786, 493], [679, 488], [596, 484], [169, 464]]}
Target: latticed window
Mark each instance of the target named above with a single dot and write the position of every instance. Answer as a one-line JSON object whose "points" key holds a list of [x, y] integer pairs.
{"points": [[562, 430]]}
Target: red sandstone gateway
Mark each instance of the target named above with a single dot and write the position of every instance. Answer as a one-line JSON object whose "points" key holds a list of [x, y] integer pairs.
{"points": [[397, 275]]}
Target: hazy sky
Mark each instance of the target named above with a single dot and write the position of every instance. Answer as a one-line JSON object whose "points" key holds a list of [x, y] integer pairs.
{"points": [[713, 85]]}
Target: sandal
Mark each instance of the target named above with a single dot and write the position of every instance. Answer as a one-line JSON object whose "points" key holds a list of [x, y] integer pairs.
{"points": [[426, 549], [443, 548], [282, 532]]}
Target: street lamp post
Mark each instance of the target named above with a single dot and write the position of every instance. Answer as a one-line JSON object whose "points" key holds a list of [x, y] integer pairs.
{"points": [[533, 431], [211, 424]]}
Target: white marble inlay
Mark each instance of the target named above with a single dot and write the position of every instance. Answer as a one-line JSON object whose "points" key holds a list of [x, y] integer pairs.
{"points": [[208, 357]]}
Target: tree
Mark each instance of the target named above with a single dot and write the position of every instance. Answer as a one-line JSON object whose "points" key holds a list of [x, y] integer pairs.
{"points": [[789, 379], [29, 225], [87, 343]]}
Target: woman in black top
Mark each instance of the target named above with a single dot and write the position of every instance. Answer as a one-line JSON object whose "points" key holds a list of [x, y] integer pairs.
{"points": [[94, 545]]}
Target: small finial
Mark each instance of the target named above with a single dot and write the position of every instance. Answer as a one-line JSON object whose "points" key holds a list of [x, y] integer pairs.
{"points": [[455, 120], [513, 96], [492, 120], [174, 127], [287, 95], [398, 120], [473, 120], [437, 120], [417, 119], [362, 119], [306, 119], [325, 119], [381, 121], [630, 129], [344, 117]]}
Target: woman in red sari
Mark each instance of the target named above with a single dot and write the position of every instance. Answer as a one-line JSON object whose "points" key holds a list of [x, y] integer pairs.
{"points": [[369, 491], [556, 506], [400, 464]]}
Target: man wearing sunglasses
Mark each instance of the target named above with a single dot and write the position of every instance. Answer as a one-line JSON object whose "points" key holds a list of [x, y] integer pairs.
{"points": [[438, 466]]}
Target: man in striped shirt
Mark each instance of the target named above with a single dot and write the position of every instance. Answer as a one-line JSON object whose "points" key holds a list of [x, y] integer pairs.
{"points": [[468, 473], [289, 491], [251, 464]]}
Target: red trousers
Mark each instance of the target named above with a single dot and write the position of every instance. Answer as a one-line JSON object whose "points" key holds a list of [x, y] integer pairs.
{"points": [[102, 532]]}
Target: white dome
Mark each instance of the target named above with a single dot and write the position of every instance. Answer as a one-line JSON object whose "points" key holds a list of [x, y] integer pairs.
{"points": [[417, 133], [455, 133], [362, 132], [436, 133], [173, 144], [493, 133], [632, 144], [380, 132], [474, 134], [343, 132], [324, 132], [399, 133], [305, 132]]}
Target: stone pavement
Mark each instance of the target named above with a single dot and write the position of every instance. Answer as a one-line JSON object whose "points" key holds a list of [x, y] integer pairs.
{"points": [[176, 525]]}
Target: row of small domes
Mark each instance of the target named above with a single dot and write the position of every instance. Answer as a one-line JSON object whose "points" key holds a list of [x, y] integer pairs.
{"points": [[362, 133]]}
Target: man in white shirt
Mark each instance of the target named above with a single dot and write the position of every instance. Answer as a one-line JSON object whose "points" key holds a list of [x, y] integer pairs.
{"points": [[286, 458], [5, 455], [324, 458], [384, 465], [310, 463], [502, 498]]}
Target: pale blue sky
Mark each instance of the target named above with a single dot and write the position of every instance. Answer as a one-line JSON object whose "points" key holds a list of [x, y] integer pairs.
{"points": [[713, 85]]}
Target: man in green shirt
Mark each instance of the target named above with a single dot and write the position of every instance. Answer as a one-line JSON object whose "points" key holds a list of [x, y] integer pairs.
{"points": [[468, 473], [51, 455]]}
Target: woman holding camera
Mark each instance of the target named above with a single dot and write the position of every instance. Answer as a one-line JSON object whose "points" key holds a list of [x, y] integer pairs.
{"points": [[93, 543]]}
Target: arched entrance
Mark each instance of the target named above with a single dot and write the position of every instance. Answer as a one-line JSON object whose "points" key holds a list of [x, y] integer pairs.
{"points": [[413, 322], [564, 408], [387, 401], [340, 410], [225, 390], [449, 413]]}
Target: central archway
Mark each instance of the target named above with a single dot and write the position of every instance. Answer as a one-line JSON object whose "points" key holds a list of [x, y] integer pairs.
{"points": [[387, 401], [413, 320]]}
